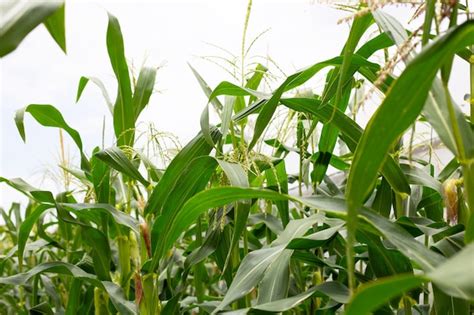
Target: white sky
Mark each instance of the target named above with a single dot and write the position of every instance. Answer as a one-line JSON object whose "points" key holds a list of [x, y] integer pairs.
{"points": [[170, 33]]}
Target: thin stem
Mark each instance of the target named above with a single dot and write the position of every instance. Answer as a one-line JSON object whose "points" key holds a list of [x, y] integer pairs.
{"points": [[471, 96], [470, 16], [399, 206], [198, 280], [426, 285], [244, 35], [351, 230]]}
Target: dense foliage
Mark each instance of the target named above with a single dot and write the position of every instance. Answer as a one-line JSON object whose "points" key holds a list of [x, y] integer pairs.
{"points": [[364, 226]]}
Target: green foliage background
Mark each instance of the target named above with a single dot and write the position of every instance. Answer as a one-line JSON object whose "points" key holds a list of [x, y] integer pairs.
{"points": [[220, 229]]}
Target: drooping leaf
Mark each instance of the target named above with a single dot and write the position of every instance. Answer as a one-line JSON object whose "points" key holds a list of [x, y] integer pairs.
{"points": [[115, 293], [370, 296], [83, 81], [207, 90], [455, 275], [117, 159], [43, 196], [254, 265], [22, 17], [49, 116], [215, 197], [335, 290], [93, 211]]}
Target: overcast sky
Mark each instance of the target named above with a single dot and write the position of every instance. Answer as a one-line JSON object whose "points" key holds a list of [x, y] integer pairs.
{"points": [[166, 34]]}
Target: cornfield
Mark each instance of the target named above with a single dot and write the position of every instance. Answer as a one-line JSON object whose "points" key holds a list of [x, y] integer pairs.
{"points": [[368, 223]]}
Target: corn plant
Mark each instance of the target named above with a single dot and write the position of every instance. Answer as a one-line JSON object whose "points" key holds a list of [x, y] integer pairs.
{"points": [[225, 228]]}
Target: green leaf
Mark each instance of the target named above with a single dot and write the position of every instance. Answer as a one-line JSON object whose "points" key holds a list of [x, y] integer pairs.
{"points": [[276, 279], [34, 193], [268, 107], [238, 178], [101, 254], [277, 179], [49, 116], [342, 76], [327, 141], [26, 227], [30, 247], [383, 199], [83, 81], [335, 290], [370, 296], [195, 148], [429, 15], [455, 275], [82, 84], [93, 211], [117, 159], [208, 247], [10, 226], [384, 261], [436, 108], [143, 89], [227, 115], [74, 293], [291, 82], [255, 80], [250, 272], [316, 239], [56, 27], [272, 222], [253, 266], [21, 18], [445, 304], [100, 173], [216, 197], [440, 110], [399, 110], [417, 176], [275, 283], [42, 308], [193, 178], [114, 291], [228, 88], [124, 112], [351, 135], [207, 90]]}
